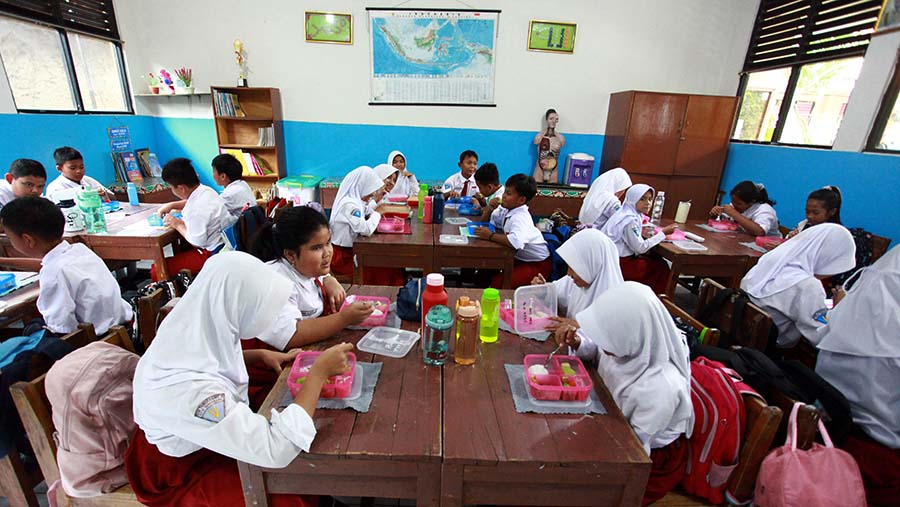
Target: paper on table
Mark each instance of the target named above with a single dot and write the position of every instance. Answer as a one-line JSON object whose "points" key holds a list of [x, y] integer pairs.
{"points": [[141, 229]]}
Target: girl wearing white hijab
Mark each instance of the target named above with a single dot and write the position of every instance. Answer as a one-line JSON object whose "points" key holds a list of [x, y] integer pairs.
{"points": [[786, 282], [190, 391], [644, 362], [604, 197], [407, 184], [388, 175], [625, 229], [350, 216], [859, 354]]}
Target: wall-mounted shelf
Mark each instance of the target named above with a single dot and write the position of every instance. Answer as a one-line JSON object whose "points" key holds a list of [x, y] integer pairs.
{"points": [[197, 94]]}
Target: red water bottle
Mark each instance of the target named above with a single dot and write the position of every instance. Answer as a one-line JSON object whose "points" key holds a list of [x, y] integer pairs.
{"points": [[434, 293], [429, 207]]}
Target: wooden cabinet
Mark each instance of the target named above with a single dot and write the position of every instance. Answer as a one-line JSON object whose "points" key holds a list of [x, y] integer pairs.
{"points": [[674, 142]]}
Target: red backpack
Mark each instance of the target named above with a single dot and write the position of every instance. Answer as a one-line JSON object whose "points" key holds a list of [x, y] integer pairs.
{"points": [[715, 444]]}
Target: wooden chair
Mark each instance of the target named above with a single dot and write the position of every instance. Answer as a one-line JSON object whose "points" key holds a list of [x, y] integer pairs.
{"points": [[879, 246], [807, 420], [761, 426], [17, 482], [36, 413], [148, 310], [712, 334], [755, 326]]}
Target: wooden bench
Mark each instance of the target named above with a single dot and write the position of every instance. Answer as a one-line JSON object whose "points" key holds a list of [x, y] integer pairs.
{"points": [[36, 413], [755, 326]]}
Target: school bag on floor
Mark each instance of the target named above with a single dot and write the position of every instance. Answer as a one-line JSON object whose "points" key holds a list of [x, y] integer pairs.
{"points": [[91, 395], [816, 391], [409, 300]]}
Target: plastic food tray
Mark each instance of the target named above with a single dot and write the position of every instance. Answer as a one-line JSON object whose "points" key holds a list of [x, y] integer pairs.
{"points": [[453, 239], [722, 225], [338, 386], [534, 306], [397, 199], [677, 234], [457, 220], [388, 341], [7, 283], [468, 209], [111, 206], [560, 383], [689, 246], [466, 199], [769, 242], [379, 316], [391, 225], [474, 225]]}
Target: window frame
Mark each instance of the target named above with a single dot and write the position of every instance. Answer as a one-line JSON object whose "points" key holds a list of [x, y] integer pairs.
{"points": [[888, 100], [72, 76]]}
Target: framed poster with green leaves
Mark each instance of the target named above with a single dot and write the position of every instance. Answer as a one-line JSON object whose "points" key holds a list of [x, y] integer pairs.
{"points": [[551, 36], [329, 27]]}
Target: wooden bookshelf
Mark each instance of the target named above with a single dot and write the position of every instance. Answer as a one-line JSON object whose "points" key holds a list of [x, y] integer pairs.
{"points": [[262, 108]]}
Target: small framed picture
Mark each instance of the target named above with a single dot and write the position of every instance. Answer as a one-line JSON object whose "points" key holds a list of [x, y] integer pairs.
{"points": [[551, 36], [889, 17], [329, 27]]}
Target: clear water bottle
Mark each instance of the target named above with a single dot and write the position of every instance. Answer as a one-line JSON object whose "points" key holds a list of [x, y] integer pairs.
{"points": [[658, 205], [92, 210]]}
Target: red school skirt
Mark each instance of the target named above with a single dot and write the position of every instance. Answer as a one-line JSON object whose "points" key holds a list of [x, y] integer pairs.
{"points": [[192, 260], [650, 271], [667, 471], [879, 466]]}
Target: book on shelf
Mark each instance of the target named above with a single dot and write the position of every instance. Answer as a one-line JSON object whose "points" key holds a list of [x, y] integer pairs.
{"points": [[132, 168], [228, 104], [251, 165], [267, 136]]}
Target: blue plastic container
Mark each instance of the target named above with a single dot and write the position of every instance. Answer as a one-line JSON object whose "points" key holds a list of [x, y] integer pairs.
{"points": [[468, 209], [7, 283], [474, 225]]}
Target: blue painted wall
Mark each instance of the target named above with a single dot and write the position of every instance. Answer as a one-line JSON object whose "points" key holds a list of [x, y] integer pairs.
{"points": [[190, 138], [868, 182]]}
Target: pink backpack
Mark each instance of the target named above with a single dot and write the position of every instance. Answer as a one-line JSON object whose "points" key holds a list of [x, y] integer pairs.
{"points": [[715, 444], [90, 392]]}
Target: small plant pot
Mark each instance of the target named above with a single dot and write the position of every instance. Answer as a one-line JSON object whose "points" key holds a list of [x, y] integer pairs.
{"points": [[184, 90], [154, 89]]}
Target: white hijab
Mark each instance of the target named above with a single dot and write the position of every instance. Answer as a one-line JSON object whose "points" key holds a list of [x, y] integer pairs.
{"points": [[650, 375], [393, 155], [607, 183], [627, 214], [234, 297], [826, 249], [867, 322], [358, 183], [384, 171], [594, 258]]}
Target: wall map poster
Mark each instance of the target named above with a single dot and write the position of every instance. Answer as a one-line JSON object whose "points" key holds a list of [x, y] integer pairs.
{"points": [[429, 56]]}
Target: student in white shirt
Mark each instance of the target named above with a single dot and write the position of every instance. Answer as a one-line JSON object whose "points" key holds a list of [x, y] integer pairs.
{"points": [[490, 191], [751, 208], [462, 183], [516, 230], [786, 282], [389, 176], [643, 360], [203, 217], [76, 286], [70, 165], [190, 390], [407, 184], [237, 194], [625, 229], [25, 177], [822, 205], [604, 197]]}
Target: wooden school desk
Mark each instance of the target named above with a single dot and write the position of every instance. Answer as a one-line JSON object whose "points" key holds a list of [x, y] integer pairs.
{"points": [[725, 257], [19, 305], [414, 250], [496, 456], [478, 253], [392, 451]]}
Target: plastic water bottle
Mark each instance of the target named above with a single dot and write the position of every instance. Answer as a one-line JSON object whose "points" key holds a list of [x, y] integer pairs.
{"points": [[132, 194], [658, 205], [436, 335], [74, 219], [92, 209], [429, 207], [437, 209], [490, 315], [423, 191]]}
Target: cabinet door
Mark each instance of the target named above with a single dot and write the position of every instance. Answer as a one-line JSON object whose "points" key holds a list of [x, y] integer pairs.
{"points": [[651, 143], [705, 135], [700, 191]]}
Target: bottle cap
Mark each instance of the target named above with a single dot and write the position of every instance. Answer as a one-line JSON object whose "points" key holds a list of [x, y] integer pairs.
{"points": [[66, 203], [462, 301], [439, 317], [435, 279], [490, 295], [468, 311]]}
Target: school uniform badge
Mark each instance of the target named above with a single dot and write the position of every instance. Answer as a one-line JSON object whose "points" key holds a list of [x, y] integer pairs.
{"points": [[821, 316], [212, 408], [356, 213]]}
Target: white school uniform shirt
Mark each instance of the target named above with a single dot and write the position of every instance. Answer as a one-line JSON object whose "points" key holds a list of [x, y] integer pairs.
{"points": [[519, 228], [406, 185], [63, 183], [237, 195], [191, 394], [305, 302], [594, 258], [606, 205], [610, 182], [625, 226], [349, 214], [76, 286], [6, 193], [764, 215], [496, 195], [456, 182], [205, 217]]}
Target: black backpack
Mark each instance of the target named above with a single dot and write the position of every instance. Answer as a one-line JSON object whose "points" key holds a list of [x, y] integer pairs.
{"points": [[741, 298], [409, 300], [817, 391], [863, 240]]}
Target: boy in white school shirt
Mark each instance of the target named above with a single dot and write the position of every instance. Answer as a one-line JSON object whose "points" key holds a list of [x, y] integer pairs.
{"points": [[76, 286], [204, 217], [462, 183], [25, 177], [237, 195], [516, 230], [490, 191], [70, 165]]}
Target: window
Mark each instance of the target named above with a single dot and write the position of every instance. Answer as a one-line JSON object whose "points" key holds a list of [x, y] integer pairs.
{"points": [[885, 136], [801, 66], [63, 56]]}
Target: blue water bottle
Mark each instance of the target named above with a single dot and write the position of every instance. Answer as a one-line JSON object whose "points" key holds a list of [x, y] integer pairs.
{"points": [[437, 209], [132, 194]]}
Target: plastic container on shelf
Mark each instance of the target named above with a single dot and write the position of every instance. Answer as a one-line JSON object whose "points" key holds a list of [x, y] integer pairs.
{"points": [[388, 341], [391, 224], [379, 315], [474, 225], [530, 311], [565, 379], [300, 188], [338, 386]]}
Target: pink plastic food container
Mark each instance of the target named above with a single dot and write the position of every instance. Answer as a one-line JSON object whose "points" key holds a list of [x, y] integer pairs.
{"points": [[337, 386], [565, 380], [676, 235], [529, 319], [723, 225], [769, 242], [379, 316], [391, 224], [397, 198]]}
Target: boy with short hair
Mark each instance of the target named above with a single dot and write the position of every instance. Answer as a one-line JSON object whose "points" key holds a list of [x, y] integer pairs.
{"points": [[70, 165], [75, 284], [516, 230], [237, 195], [204, 217], [25, 178], [490, 191], [462, 183]]}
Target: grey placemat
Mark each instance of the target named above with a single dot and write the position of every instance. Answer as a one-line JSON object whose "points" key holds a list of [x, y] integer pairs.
{"points": [[538, 337], [370, 374], [711, 229], [524, 403], [753, 246]]}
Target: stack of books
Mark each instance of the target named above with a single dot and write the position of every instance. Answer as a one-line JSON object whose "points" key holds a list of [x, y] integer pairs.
{"points": [[227, 104], [267, 136], [251, 164], [135, 166]]}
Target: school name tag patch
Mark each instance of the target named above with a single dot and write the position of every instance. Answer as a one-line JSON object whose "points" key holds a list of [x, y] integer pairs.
{"points": [[212, 408], [821, 316]]}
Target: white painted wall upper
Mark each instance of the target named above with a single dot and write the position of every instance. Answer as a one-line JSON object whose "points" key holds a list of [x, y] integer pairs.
{"points": [[694, 46]]}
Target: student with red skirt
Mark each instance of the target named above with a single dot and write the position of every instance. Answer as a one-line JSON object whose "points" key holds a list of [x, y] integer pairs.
{"points": [[190, 392], [626, 230]]}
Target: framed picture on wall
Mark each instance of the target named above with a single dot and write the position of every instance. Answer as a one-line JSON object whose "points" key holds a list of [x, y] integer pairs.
{"points": [[329, 27], [889, 17], [551, 36]]}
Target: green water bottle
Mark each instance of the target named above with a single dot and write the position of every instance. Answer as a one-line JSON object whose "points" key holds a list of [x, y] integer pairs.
{"points": [[423, 191], [490, 315], [92, 209]]}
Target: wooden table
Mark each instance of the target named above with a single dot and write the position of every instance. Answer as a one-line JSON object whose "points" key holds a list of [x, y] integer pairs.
{"points": [[392, 451], [414, 250], [725, 258], [478, 254], [496, 456], [21, 305]]}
